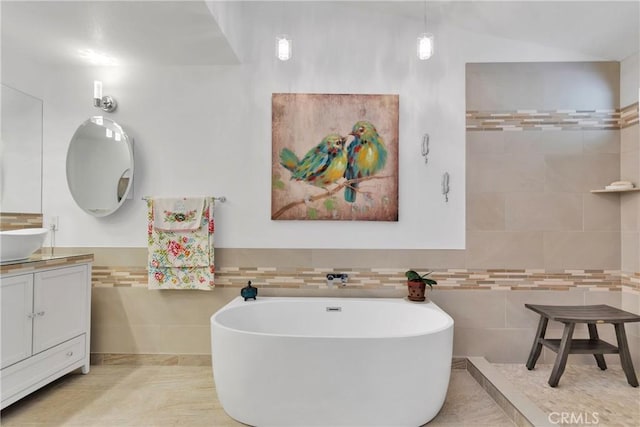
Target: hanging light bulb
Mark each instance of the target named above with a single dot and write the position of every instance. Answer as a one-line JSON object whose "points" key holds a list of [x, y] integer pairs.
{"points": [[425, 40], [283, 47], [425, 46]]}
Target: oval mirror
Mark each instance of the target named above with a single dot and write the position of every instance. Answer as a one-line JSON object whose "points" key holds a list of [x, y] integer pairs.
{"points": [[100, 166]]}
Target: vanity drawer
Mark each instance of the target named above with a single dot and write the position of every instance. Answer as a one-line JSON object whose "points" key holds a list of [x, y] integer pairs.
{"points": [[41, 367]]}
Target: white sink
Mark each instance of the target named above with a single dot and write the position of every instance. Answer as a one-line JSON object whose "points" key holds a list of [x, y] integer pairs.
{"points": [[20, 244]]}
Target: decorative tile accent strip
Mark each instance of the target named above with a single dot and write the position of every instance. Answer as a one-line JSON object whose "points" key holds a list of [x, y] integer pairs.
{"points": [[629, 116], [17, 220], [384, 278], [630, 281], [534, 120], [109, 277]]}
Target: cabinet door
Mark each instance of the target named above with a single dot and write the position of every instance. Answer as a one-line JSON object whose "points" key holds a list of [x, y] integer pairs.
{"points": [[16, 300], [60, 301]]}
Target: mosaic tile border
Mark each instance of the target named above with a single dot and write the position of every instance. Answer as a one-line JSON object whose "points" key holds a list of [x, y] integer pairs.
{"points": [[629, 115], [541, 120], [390, 278], [17, 220]]}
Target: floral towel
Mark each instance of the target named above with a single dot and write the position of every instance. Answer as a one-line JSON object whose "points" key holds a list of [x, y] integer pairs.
{"points": [[182, 259], [177, 213]]}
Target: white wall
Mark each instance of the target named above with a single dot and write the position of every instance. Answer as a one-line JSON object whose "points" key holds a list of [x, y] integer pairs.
{"points": [[207, 130]]}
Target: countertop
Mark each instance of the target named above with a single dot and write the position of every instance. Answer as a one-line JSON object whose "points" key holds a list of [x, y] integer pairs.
{"points": [[45, 258]]}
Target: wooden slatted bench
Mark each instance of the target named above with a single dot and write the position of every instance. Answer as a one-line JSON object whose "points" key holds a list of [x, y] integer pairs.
{"points": [[591, 315]]}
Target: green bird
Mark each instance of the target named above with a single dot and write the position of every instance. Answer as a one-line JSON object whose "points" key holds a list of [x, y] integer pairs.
{"points": [[366, 155], [322, 165]]}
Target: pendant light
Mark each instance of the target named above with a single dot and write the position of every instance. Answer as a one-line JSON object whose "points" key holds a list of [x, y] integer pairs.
{"points": [[425, 40]]}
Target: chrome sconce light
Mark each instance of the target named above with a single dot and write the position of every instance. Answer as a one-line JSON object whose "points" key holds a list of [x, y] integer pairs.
{"points": [[106, 103]]}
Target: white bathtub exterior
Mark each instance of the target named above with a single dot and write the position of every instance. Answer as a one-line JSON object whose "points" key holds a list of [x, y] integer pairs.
{"points": [[290, 362]]}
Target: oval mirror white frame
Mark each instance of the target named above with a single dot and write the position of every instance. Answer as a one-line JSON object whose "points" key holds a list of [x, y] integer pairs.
{"points": [[100, 166]]}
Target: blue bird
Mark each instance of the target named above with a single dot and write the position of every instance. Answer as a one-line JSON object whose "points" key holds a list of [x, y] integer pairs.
{"points": [[366, 155], [322, 165]]}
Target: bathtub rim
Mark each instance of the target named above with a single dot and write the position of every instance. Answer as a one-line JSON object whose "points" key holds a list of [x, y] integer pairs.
{"points": [[239, 302]]}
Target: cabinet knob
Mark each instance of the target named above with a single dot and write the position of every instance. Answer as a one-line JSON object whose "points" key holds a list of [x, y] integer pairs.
{"points": [[40, 313], [31, 315], [69, 353]]}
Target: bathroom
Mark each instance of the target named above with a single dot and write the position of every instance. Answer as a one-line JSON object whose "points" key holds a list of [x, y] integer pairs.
{"points": [[194, 84]]}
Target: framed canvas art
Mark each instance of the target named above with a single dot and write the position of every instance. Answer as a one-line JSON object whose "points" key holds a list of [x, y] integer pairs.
{"points": [[334, 157]]}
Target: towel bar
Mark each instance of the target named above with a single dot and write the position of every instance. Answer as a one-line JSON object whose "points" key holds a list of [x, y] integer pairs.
{"points": [[221, 199]]}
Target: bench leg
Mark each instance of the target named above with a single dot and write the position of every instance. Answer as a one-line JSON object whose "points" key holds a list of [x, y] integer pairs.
{"points": [[563, 354], [625, 356], [536, 349], [593, 336]]}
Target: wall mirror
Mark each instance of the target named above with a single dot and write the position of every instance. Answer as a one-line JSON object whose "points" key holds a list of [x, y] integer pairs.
{"points": [[20, 152], [100, 166]]}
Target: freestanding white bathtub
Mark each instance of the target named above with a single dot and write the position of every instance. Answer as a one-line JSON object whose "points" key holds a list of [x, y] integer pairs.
{"points": [[331, 361]]}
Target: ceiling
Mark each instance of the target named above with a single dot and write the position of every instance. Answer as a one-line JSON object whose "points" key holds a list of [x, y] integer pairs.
{"points": [[132, 32], [185, 32]]}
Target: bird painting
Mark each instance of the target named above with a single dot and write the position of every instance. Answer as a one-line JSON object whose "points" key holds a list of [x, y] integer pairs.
{"points": [[366, 156], [323, 165], [334, 157]]}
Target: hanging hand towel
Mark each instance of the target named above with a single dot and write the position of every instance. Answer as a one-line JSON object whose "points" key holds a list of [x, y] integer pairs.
{"points": [[182, 259], [177, 214]]}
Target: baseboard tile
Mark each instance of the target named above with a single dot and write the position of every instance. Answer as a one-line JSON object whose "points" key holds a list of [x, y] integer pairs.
{"points": [[151, 359]]}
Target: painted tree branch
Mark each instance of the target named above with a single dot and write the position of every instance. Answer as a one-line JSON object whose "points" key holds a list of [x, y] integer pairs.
{"points": [[331, 192]]}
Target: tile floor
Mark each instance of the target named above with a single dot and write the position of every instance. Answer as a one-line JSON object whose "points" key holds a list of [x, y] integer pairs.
{"points": [[583, 390], [162, 396]]}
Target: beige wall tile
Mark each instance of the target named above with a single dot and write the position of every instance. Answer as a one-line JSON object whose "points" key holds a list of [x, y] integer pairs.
{"points": [[122, 257], [485, 142], [490, 173], [518, 316], [524, 143], [601, 141], [507, 249], [543, 211], [473, 309], [565, 250], [629, 211], [486, 211], [139, 306], [582, 85], [401, 258], [613, 299], [630, 301], [600, 170], [601, 213], [564, 173], [630, 251], [630, 166], [503, 86], [562, 142], [231, 257], [630, 139], [496, 345], [186, 339]]}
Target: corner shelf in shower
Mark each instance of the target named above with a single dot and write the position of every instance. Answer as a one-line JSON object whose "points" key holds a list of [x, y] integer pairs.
{"points": [[628, 190]]}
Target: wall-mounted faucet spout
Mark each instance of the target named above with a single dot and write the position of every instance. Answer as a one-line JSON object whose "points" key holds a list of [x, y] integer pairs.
{"points": [[337, 278]]}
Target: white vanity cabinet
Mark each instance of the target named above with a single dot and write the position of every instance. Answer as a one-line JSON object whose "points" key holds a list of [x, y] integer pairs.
{"points": [[45, 327]]}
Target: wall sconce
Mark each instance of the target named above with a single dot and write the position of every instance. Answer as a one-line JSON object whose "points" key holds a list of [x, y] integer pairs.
{"points": [[283, 47], [107, 103]]}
